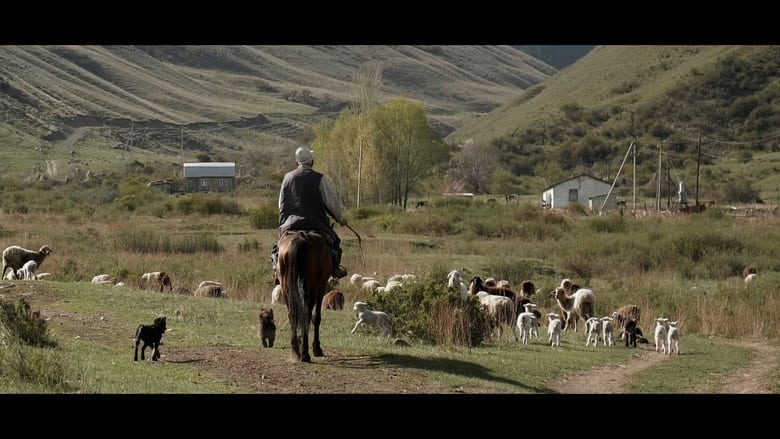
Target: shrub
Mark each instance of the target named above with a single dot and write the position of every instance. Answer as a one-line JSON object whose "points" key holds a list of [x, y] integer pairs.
{"points": [[19, 323], [430, 311]]}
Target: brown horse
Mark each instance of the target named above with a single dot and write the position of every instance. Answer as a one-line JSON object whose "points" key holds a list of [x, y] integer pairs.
{"points": [[305, 265]]}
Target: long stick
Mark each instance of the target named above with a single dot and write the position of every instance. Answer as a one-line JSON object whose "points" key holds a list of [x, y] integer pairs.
{"points": [[360, 245]]}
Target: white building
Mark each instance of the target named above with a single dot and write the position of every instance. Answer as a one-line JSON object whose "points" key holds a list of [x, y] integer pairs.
{"points": [[578, 189]]}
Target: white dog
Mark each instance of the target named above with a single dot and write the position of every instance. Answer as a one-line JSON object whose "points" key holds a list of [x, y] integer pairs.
{"points": [[369, 317]]}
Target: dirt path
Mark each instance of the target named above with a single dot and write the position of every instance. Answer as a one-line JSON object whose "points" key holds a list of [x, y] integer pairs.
{"points": [[610, 379], [756, 377]]}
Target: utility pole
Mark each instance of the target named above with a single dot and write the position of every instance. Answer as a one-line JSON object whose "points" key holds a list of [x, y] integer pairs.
{"points": [[634, 145], [658, 183], [698, 163], [360, 170]]}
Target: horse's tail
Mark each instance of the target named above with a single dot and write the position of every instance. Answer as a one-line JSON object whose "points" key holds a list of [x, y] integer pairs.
{"points": [[296, 296]]}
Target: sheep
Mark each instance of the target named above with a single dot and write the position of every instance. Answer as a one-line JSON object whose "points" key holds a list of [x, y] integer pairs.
{"points": [[527, 288], [580, 305], [151, 335], [390, 286], [454, 281], [14, 257], [660, 334], [527, 324], [673, 338], [159, 279], [499, 310], [334, 299], [210, 282], [554, 324], [631, 332], [276, 295], [476, 285], [593, 330], [103, 278], [607, 328], [40, 276], [27, 272], [749, 278], [266, 328], [209, 291], [368, 317], [624, 313]]}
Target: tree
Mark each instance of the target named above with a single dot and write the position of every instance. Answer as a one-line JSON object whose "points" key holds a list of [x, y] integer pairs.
{"points": [[474, 164], [406, 148], [502, 182]]}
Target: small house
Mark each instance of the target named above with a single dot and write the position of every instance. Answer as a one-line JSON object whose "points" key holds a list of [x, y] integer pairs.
{"points": [[579, 189], [209, 177]]}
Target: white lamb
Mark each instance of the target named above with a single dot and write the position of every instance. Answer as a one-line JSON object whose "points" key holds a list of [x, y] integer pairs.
{"points": [[593, 330], [673, 338], [276, 295], [368, 317], [527, 323], [28, 270], [554, 324], [661, 334], [607, 328]]}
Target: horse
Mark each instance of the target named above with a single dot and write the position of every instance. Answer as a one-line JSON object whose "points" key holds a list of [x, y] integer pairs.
{"points": [[305, 265]]}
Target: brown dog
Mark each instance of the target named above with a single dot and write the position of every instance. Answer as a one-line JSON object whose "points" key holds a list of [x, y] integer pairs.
{"points": [[266, 328]]}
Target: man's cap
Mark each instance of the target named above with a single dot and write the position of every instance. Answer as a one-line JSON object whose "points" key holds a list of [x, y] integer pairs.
{"points": [[304, 155]]}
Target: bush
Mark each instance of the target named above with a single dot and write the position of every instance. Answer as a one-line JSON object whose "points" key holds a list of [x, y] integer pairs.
{"points": [[20, 324], [430, 311]]}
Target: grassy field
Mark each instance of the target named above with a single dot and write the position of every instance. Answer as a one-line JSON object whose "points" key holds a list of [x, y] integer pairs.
{"points": [[684, 268]]}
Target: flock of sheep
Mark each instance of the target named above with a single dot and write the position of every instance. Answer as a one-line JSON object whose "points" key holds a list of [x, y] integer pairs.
{"points": [[502, 305]]}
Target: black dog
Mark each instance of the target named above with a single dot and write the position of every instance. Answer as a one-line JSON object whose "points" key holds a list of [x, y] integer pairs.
{"points": [[151, 335]]}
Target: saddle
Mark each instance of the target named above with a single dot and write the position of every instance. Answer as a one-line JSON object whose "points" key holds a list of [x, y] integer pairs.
{"points": [[326, 236]]}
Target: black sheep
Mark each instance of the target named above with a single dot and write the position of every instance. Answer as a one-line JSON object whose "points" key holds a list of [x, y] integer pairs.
{"points": [[151, 335]]}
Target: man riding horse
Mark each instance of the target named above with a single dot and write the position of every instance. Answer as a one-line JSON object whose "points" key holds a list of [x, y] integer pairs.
{"points": [[305, 201]]}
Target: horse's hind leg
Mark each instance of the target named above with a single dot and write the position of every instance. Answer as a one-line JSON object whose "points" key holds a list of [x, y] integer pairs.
{"points": [[315, 347]]}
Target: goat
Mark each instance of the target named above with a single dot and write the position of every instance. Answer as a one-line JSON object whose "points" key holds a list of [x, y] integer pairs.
{"points": [[631, 332], [554, 324], [14, 257], [593, 330], [334, 299], [673, 338], [660, 334], [368, 317], [580, 305], [151, 335], [624, 313], [266, 328]]}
